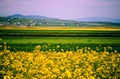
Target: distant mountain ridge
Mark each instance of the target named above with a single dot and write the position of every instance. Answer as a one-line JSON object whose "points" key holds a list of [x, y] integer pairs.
{"points": [[87, 19], [29, 16], [36, 20], [98, 19]]}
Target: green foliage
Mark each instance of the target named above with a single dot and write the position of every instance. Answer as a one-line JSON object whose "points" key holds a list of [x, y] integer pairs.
{"points": [[26, 40], [66, 43], [61, 33]]}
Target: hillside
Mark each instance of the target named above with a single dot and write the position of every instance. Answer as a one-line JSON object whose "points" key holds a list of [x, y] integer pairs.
{"points": [[35, 20], [29, 16]]}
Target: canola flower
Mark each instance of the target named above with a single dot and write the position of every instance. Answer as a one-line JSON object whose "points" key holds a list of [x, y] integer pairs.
{"points": [[82, 64]]}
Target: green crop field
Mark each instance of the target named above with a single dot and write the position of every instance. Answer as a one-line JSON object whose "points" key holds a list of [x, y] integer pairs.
{"points": [[26, 40], [66, 43], [61, 33]]}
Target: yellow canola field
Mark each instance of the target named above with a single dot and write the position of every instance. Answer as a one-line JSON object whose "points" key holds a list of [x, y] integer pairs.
{"points": [[83, 64], [60, 28]]}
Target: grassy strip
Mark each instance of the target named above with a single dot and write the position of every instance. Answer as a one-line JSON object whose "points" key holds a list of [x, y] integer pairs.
{"points": [[66, 43], [87, 40]]}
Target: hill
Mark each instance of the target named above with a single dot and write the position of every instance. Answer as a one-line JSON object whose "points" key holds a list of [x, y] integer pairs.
{"points": [[29, 16], [35, 20]]}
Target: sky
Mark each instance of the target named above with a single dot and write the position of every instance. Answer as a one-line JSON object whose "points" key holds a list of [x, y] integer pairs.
{"points": [[63, 9]]}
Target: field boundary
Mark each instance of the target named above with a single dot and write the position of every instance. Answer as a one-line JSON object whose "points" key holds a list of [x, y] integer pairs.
{"points": [[59, 28]]}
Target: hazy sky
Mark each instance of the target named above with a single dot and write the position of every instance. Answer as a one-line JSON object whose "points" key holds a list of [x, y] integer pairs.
{"points": [[65, 9]]}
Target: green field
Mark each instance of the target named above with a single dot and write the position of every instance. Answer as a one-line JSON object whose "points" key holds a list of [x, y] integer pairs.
{"points": [[26, 40], [60, 33], [66, 43]]}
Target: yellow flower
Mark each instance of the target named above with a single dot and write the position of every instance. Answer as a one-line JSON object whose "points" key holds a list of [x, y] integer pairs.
{"points": [[62, 68], [52, 65], [91, 77], [87, 74], [55, 70], [58, 46], [68, 73], [6, 77]]}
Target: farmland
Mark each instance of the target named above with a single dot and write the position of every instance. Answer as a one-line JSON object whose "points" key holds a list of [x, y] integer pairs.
{"points": [[61, 53], [68, 38], [82, 64]]}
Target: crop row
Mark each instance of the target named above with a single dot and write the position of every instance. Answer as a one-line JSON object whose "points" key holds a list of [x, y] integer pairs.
{"points": [[60, 33]]}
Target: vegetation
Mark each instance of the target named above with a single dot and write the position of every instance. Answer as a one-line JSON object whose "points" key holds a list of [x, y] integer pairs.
{"points": [[60, 33], [82, 64], [25, 39], [27, 53], [66, 43]]}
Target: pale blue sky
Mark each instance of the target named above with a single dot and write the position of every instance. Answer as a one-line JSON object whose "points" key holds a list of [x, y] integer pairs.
{"points": [[64, 9]]}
